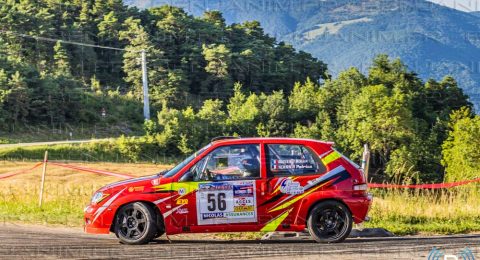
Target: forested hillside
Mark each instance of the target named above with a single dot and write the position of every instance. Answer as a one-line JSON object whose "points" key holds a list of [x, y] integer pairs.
{"points": [[404, 120], [189, 60], [431, 39], [208, 78]]}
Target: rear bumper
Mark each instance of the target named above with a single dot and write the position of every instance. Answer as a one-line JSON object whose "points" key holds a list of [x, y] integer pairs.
{"points": [[359, 206]]}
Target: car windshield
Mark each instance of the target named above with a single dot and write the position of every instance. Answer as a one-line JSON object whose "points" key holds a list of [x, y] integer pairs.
{"points": [[177, 168]]}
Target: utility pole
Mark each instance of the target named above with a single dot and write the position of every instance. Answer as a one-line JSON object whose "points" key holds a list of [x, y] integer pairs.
{"points": [[146, 101]]}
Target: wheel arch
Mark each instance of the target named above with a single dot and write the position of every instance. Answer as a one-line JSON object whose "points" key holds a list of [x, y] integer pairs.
{"points": [[159, 221], [324, 200]]}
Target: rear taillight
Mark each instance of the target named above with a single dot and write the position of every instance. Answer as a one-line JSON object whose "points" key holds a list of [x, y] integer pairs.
{"points": [[360, 187]]}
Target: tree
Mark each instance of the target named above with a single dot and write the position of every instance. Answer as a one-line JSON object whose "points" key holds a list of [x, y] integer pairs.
{"points": [[212, 117], [109, 27], [218, 62], [303, 101], [17, 99], [380, 117], [62, 63], [273, 115], [243, 112], [138, 40], [461, 156]]}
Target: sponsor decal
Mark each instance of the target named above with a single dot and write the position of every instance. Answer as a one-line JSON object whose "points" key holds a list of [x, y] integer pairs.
{"points": [[289, 186], [155, 182], [213, 215], [214, 186], [243, 190], [226, 202], [182, 191], [139, 188], [182, 201], [239, 214], [332, 177], [243, 201], [242, 208], [182, 211]]}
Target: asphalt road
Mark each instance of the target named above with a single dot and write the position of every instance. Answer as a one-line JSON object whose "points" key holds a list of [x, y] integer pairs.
{"points": [[36, 242]]}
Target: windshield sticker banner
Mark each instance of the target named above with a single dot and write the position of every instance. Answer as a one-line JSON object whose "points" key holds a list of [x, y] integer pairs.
{"points": [[290, 164], [226, 202]]}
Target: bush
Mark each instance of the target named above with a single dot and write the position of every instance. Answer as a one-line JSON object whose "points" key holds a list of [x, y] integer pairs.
{"points": [[123, 149]]}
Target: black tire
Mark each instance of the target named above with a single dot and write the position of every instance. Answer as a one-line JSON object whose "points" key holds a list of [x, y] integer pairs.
{"points": [[135, 224], [329, 222]]}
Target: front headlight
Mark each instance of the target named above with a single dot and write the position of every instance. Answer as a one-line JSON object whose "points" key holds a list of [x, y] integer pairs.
{"points": [[98, 197]]}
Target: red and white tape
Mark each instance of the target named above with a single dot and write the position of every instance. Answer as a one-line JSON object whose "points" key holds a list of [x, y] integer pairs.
{"points": [[422, 186], [69, 166], [84, 169], [11, 174]]}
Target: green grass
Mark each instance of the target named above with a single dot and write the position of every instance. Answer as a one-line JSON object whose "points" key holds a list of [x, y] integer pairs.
{"points": [[406, 212]]}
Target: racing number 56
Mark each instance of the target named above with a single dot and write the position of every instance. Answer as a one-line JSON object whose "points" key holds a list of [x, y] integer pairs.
{"points": [[218, 201]]}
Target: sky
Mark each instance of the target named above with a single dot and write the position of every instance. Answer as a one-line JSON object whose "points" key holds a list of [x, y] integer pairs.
{"points": [[463, 5]]}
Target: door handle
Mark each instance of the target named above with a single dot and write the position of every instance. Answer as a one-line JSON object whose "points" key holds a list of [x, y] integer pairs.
{"points": [[265, 187]]}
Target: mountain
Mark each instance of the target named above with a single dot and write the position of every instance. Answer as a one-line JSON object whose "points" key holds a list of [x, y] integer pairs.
{"points": [[431, 39]]}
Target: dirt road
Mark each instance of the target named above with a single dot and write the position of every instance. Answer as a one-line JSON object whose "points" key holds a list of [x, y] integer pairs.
{"points": [[36, 242]]}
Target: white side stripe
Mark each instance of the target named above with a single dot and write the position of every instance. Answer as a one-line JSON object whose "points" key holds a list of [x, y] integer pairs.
{"points": [[106, 205], [162, 200], [168, 213]]}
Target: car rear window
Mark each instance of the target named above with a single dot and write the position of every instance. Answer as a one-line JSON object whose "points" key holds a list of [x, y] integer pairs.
{"points": [[288, 159]]}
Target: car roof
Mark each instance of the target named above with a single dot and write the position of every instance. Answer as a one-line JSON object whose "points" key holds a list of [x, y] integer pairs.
{"points": [[240, 140]]}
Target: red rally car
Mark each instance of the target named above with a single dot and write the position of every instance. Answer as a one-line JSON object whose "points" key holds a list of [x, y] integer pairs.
{"points": [[238, 185]]}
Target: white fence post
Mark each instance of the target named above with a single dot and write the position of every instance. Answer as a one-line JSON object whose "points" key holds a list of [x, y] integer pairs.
{"points": [[42, 184]]}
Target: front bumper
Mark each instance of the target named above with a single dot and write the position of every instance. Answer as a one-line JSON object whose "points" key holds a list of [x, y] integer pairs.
{"points": [[98, 220]]}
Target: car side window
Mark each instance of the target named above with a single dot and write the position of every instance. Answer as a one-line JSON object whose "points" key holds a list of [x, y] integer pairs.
{"points": [[228, 163], [287, 159]]}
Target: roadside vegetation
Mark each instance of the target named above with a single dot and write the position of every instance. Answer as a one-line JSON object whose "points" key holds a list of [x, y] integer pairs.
{"points": [[122, 149], [407, 212], [68, 192], [417, 131]]}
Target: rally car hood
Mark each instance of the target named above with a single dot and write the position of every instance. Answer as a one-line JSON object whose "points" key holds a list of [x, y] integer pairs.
{"points": [[131, 182]]}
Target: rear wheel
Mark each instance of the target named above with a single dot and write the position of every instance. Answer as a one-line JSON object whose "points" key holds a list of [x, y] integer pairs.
{"points": [[135, 224], [329, 222]]}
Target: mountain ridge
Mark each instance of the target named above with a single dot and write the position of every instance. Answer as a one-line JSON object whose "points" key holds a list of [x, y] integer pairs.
{"points": [[431, 39]]}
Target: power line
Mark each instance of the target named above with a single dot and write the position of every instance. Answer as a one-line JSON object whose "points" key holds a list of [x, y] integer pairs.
{"points": [[146, 103], [41, 38]]}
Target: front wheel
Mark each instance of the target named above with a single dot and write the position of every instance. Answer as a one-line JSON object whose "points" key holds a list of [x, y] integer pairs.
{"points": [[135, 224], [329, 222]]}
